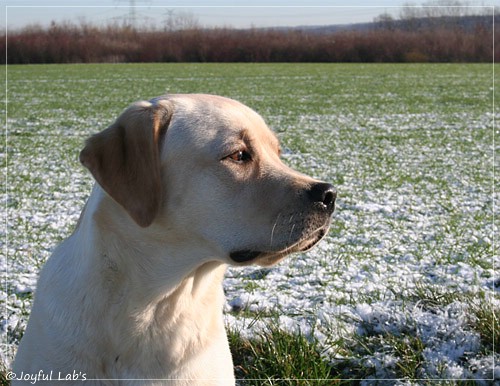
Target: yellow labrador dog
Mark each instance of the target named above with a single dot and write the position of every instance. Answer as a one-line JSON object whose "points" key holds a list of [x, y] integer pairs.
{"points": [[186, 184]]}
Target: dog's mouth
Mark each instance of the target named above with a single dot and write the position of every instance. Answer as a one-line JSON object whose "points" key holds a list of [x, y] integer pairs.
{"points": [[244, 256], [268, 258]]}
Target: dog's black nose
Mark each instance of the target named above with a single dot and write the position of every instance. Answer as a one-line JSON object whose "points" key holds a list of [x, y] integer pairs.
{"points": [[323, 193]]}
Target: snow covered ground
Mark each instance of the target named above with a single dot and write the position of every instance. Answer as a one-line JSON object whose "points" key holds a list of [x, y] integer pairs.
{"points": [[399, 258], [410, 259]]}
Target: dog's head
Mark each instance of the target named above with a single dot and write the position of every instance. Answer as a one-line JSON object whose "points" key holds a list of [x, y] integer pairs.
{"points": [[208, 168]]}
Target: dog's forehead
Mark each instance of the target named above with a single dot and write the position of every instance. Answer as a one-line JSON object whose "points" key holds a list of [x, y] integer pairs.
{"points": [[219, 108], [221, 119]]}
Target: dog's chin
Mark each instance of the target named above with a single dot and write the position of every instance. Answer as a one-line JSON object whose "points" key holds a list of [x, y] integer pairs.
{"points": [[270, 258]]}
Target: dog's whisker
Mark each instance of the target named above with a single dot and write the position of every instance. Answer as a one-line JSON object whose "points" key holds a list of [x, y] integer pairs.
{"points": [[274, 227], [291, 233]]}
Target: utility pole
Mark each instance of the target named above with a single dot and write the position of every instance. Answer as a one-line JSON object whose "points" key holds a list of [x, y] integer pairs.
{"points": [[132, 14], [131, 17], [169, 20]]}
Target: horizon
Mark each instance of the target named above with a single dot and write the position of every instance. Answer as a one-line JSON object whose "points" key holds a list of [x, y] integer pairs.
{"points": [[219, 14]]}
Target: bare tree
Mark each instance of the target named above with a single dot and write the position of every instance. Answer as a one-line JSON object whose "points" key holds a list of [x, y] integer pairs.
{"points": [[385, 21], [445, 8], [409, 11], [181, 20], [439, 13]]}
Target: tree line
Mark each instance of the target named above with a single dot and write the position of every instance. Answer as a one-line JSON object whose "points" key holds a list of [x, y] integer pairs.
{"points": [[414, 38]]}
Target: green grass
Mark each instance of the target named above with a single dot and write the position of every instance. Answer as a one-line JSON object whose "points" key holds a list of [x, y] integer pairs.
{"points": [[276, 357], [410, 150]]}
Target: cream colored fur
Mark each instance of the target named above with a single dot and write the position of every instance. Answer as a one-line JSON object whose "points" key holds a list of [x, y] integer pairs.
{"points": [[186, 184]]}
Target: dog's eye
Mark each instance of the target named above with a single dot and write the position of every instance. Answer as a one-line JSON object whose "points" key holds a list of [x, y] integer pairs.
{"points": [[240, 156]]}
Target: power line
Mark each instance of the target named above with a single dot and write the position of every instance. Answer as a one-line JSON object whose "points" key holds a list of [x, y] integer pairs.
{"points": [[132, 17]]}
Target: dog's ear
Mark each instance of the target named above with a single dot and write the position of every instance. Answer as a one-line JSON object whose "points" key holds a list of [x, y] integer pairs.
{"points": [[125, 159]]}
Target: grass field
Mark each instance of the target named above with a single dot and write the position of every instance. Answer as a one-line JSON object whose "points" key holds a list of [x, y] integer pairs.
{"points": [[403, 290]]}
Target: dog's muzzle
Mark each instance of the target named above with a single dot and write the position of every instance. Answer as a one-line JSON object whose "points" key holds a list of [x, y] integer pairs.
{"points": [[322, 196]]}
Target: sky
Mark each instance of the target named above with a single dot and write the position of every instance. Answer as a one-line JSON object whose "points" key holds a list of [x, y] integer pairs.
{"points": [[206, 13]]}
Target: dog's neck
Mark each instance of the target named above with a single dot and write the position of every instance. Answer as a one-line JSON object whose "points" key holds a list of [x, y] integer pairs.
{"points": [[155, 260], [171, 289]]}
